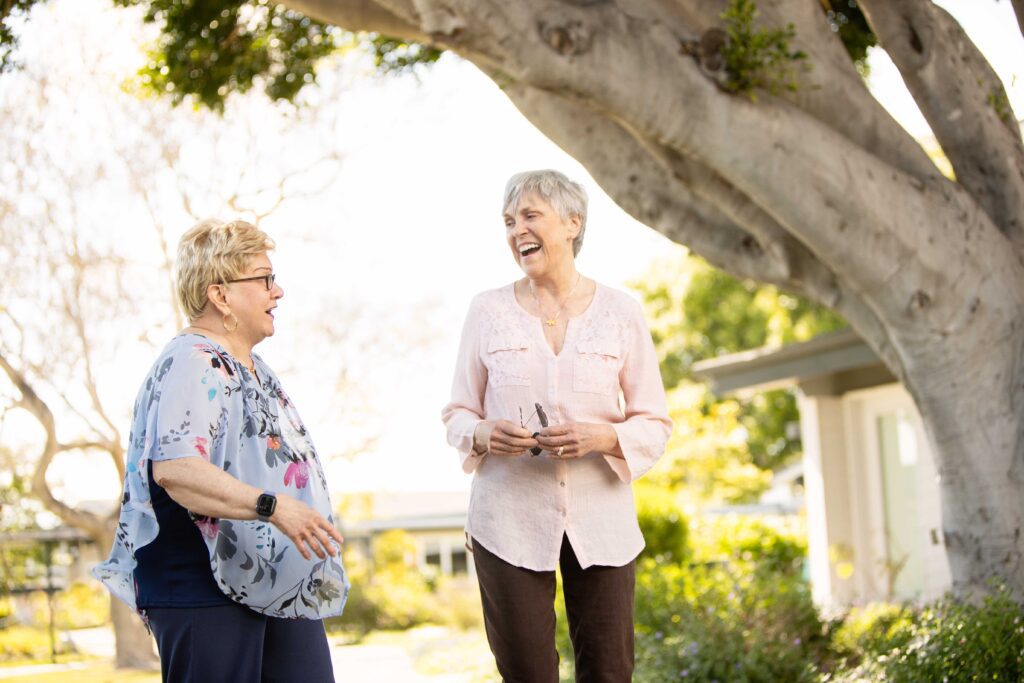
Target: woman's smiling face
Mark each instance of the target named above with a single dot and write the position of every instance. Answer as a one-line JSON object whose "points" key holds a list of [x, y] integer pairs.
{"points": [[537, 235]]}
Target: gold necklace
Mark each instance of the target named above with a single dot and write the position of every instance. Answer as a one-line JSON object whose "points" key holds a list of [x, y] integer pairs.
{"points": [[551, 322]]}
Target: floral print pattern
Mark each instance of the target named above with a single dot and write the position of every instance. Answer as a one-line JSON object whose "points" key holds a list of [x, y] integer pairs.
{"points": [[199, 401]]}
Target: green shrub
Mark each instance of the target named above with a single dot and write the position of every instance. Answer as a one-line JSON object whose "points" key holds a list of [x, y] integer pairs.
{"points": [[739, 611], [395, 594], [401, 598], [873, 631], [83, 604], [775, 544], [26, 643], [663, 524], [718, 622], [458, 603], [951, 640]]}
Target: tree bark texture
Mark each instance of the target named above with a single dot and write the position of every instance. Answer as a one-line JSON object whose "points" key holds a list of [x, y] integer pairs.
{"points": [[818, 190]]}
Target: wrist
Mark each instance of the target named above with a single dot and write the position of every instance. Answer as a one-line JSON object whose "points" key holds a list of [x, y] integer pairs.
{"points": [[611, 441], [482, 438], [266, 505]]}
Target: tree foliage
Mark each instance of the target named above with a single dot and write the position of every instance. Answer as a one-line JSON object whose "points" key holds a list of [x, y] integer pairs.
{"points": [[758, 58], [848, 21], [698, 312], [11, 12], [208, 49]]}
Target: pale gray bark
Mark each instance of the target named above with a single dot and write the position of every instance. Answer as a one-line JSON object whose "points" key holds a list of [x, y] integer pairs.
{"points": [[1018, 8], [964, 101], [819, 191]]}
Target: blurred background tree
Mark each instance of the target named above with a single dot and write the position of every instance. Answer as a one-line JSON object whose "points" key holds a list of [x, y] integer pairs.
{"points": [[723, 449]]}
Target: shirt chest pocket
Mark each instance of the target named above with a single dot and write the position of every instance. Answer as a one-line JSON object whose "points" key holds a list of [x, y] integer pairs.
{"points": [[595, 367], [508, 362]]}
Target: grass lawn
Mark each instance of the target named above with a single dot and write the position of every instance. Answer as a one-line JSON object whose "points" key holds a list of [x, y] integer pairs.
{"points": [[98, 671]]}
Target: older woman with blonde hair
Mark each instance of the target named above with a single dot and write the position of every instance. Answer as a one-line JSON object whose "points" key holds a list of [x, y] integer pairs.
{"points": [[225, 543], [557, 406]]}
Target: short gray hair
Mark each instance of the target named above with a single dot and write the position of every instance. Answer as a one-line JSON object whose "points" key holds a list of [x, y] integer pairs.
{"points": [[565, 196]]}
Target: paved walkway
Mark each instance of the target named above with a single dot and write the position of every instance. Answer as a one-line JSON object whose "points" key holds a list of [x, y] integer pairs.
{"points": [[352, 663]]}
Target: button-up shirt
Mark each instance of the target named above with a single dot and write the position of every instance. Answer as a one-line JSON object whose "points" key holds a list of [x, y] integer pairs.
{"points": [[606, 372]]}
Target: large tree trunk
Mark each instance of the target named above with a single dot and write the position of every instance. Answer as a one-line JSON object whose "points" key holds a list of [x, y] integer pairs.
{"points": [[134, 644], [819, 191]]}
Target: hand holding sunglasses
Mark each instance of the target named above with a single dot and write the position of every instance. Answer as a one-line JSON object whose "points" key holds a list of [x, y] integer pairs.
{"points": [[542, 417]]}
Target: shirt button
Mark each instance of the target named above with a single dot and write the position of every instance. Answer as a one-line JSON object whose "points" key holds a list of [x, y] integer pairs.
{"points": [[562, 484]]}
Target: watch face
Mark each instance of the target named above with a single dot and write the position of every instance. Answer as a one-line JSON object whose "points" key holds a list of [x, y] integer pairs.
{"points": [[265, 505]]}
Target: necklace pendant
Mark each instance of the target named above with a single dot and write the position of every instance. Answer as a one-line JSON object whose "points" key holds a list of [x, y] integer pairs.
{"points": [[551, 322]]}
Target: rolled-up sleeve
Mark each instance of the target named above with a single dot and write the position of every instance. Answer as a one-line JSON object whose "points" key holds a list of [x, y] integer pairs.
{"points": [[646, 427], [466, 409]]}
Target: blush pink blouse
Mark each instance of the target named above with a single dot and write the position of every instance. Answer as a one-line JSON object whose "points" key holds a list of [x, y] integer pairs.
{"points": [[607, 372]]}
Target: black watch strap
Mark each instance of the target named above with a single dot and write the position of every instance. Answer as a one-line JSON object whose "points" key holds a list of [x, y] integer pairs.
{"points": [[265, 506]]}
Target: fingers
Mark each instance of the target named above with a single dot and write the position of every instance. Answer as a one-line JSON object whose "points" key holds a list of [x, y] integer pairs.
{"points": [[563, 441], [508, 438], [511, 430], [333, 532], [307, 529]]}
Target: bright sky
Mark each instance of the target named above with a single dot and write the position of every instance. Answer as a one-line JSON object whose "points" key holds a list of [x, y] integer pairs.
{"points": [[411, 230]]}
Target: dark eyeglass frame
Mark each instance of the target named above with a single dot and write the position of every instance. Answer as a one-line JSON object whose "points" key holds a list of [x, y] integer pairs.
{"points": [[541, 416], [268, 280]]}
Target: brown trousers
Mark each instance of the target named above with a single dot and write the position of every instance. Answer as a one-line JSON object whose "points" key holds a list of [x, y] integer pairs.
{"points": [[519, 616]]}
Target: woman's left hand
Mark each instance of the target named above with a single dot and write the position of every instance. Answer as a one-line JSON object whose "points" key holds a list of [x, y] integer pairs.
{"points": [[576, 439]]}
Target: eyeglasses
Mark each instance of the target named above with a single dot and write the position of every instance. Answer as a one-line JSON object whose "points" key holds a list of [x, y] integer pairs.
{"points": [[268, 280], [541, 416]]}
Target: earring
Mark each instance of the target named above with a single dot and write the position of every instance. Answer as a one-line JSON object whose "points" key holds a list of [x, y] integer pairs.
{"points": [[224, 322]]}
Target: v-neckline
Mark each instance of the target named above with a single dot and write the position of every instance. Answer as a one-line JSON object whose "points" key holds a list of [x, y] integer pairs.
{"points": [[538, 327]]}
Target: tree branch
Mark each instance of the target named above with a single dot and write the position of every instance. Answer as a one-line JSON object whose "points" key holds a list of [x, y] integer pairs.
{"points": [[659, 199], [964, 102], [30, 400], [359, 15], [1018, 8], [664, 201], [851, 201]]}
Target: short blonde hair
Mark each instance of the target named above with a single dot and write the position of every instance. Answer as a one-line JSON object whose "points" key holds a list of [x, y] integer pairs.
{"points": [[213, 252]]}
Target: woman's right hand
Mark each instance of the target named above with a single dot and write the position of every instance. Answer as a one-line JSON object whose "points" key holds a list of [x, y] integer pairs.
{"points": [[503, 437], [305, 527]]}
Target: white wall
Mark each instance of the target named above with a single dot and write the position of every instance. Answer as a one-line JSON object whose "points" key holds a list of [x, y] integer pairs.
{"points": [[873, 506]]}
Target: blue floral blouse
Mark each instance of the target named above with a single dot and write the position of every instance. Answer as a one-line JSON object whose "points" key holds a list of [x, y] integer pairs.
{"points": [[199, 401]]}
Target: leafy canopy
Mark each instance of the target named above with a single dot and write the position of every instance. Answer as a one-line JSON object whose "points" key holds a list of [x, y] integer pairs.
{"points": [[209, 49]]}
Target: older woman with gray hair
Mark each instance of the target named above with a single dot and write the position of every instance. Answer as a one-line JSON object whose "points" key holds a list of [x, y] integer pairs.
{"points": [[557, 406], [225, 543]]}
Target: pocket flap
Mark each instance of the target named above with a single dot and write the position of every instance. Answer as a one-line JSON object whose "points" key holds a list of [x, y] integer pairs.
{"points": [[507, 343], [604, 347]]}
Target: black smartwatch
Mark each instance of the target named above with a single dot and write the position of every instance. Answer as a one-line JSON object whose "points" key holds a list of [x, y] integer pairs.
{"points": [[265, 506]]}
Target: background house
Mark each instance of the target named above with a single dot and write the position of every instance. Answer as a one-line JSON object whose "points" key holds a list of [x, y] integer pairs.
{"points": [[870, 482], [435, 520]]}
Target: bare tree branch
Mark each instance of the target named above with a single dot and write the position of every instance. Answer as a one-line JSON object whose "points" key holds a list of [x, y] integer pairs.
{"points": [[980, 136], [36, 407]]}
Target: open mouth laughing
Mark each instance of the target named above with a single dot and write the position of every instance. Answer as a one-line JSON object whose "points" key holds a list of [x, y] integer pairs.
{"points": [[527, 248]]}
